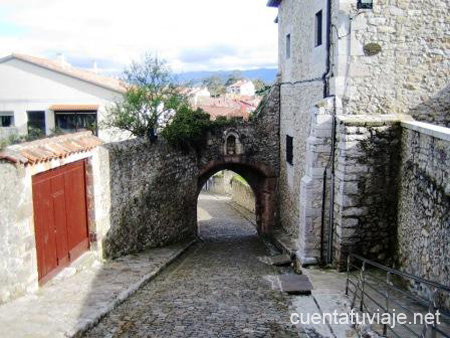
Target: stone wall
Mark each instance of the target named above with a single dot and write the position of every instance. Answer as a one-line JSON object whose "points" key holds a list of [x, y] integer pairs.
{"points": [[216, 185], [366, 186], [258, 138], [242, 194], [18, 264], [153, 196], [424, 204], [392, 194], [413, 63], [220, 183]]}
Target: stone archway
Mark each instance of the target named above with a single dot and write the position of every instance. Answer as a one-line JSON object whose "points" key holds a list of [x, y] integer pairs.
{"points": [[261, 179]]}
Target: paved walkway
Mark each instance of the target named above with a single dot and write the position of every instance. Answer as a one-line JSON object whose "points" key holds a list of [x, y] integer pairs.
{"points": [[65, 307], [216, 290]]}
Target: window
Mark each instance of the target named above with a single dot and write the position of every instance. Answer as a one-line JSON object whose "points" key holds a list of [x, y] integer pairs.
{"points": [[318, 39], [289, 149], [36, 122], [231, 145], [288, 46], [6, 119], [73, 121]]}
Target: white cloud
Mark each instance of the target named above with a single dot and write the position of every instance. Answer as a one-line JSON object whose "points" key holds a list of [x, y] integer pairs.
{"points": [[192, 35]]}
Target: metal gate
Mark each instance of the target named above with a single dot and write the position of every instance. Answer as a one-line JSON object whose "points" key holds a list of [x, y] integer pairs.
{"points": [[60, 218]]}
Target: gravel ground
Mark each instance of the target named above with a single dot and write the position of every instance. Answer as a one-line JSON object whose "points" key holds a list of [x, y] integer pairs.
{"points": [[216, 289]]}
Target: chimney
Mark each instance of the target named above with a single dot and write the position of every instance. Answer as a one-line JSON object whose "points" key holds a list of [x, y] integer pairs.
{"points": [[94, 67], [62, 61]]}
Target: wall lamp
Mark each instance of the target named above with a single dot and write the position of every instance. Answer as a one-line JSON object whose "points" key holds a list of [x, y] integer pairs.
{"points": [[365, 4]]}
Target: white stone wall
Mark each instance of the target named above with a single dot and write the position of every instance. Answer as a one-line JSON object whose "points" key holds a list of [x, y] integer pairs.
{"points": [[410, 74]]}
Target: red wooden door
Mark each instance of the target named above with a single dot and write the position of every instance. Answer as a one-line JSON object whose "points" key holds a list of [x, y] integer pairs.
{"points": [[60, 217]]}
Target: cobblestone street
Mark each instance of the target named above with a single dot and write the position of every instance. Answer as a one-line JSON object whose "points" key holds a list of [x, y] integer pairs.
{"points": [[216, 289]]}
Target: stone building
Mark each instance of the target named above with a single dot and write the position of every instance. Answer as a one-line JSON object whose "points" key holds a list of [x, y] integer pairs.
{"points": [[354, 75]]}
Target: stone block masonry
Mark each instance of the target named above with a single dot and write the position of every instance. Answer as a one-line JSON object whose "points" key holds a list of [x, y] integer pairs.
{"points": [[392, 194], [366, 186], [423, 246], [410, 73], [153, 196]]}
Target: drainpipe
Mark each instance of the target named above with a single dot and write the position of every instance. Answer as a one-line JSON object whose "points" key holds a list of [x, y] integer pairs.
{"points": [[325, 76], [330, 164]]}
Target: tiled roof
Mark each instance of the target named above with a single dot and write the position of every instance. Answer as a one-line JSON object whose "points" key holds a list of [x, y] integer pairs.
{"points": [[50, 148], [74, 107], [83, 75], [215, 112]]}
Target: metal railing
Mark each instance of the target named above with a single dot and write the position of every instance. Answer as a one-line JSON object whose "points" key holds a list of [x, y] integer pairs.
{"points": [[389, 293]]}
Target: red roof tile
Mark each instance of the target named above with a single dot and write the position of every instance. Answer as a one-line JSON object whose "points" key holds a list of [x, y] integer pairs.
{"points": [[50, 148]]}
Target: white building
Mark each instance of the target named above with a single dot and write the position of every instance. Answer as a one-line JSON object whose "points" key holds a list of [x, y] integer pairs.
{"points": [[37, 93], [198, 94], [242, 87]]}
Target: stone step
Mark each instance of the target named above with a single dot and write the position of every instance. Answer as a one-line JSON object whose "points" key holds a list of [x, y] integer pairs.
{"points": [[277, 260], [295, 284], [86, 261], [290, 283]]}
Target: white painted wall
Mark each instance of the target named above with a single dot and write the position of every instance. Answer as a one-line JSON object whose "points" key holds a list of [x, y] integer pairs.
{"points": [[248, 89], [26, 87]]}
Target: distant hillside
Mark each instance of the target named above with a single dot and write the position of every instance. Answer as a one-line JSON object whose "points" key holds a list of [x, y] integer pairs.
{"points": [[265, 74]]}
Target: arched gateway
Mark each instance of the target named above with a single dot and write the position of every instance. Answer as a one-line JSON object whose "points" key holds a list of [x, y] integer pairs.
{"points": [[261, 179], [148, 192], [250, 149]]}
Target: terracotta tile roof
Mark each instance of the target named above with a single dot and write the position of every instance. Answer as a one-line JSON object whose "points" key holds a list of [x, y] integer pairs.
{"points": [[215, 112], [80, 74], [50, 148], [74, 107]]}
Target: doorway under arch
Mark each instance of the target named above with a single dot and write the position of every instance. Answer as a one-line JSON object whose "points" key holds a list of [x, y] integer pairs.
{"points": [[263, 183]]}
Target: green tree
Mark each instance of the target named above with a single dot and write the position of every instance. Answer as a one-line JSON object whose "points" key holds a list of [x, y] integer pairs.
{"points": [[188, 128], [215, 85], [151, 93], [260, 85]]}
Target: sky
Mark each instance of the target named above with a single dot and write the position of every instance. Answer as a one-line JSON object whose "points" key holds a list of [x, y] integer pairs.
{"points": [[191, 35]]}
